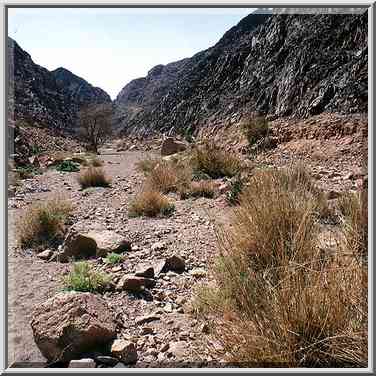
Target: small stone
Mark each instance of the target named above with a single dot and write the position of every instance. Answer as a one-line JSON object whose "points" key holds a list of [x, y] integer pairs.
{"points": [[158, 246], [108, 360], [134, 284], [175, 263], [125, 351], [82, 363], [164, 347], [116, 269], [168, 308], [147, 330], [198, 272], [145, 271], [45, 255], [178, 349], [146, 319]]}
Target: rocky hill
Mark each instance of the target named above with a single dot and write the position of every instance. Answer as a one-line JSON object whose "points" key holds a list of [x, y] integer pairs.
{"points": [[44, 98], [277, 65]]}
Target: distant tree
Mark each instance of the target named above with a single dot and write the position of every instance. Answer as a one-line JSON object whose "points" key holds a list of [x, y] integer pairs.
{"points": [[95, 123]]}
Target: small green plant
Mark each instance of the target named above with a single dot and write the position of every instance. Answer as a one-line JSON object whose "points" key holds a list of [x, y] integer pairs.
{"points": [[35, 149], [113, 258], [83, 277], [28, 172], [68, 166], [236, 187]]}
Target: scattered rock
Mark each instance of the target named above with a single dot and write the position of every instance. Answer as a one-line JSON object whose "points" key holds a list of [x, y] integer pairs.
{"points": [[125, 351], [178, 349], [71, 323], [146, 319]]}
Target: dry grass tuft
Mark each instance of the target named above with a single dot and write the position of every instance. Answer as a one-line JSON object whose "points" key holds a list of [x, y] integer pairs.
{"points": [[147, 164], [279, 301], [354, 219], [93, 177], [203, 188], [150, 203], [211, 160], [43, 223]]}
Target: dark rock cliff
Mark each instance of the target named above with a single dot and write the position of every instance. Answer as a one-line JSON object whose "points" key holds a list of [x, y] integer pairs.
{"points": [[277, 65], [44, 98]]}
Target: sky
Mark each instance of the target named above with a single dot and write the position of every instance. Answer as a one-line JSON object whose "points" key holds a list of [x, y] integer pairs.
{"points": [[109, 47]]}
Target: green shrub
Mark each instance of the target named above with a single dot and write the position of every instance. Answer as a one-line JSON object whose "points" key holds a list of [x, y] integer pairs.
{"points": [[83, 277], [113, 258], [68, 166], [27, 172]]}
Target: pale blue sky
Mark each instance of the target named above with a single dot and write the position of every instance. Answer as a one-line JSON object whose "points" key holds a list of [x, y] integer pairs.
{"points": [[109, 47]]}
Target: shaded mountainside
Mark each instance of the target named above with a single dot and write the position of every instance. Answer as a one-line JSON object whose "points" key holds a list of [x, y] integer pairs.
{"points": [[277, 65], [49, 99]]}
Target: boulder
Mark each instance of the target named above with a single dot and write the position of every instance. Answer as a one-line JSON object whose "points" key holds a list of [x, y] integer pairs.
{"points": [[96, 243], [125, 351], [174, 263], [70, 324], [171, 146]]}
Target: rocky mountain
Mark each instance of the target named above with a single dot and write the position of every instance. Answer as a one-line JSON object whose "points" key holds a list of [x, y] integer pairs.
{"points": [[49, 99], [278, 65]]}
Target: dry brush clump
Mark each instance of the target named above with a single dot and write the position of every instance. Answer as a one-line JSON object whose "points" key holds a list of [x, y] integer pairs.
{"points": [[255, 129], [93, 177], [42, 223], [150, 203], [279, 301], [215, 162]]}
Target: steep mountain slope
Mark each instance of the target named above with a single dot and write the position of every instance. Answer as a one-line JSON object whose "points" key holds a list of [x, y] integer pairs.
{"points": [[278, 65], [49, 99]]}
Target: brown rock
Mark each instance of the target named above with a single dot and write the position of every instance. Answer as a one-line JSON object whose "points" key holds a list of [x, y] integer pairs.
{"points": [[175, 263], [171, 146], [134, 284], [145, 271], [71, 323], [45, 255], [125, 351], [146, 319]]}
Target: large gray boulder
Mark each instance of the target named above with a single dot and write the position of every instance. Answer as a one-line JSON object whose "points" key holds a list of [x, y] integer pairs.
{"points": [[70, 324]]}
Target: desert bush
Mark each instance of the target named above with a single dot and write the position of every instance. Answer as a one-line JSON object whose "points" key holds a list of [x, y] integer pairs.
{"points": [[255, 129], [113, 258], [236, 187], [27, 172], [163, 177], [147, 164], [354, 222], [204, 188], [150, 203], [83, 277], [93, 177], [278, 301], [43, 223], [211, 160], [68, 166]]}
